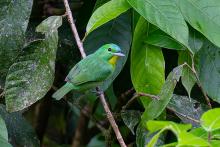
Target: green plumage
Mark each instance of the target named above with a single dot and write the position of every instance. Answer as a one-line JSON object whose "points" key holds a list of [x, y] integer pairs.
{"points": [[91, 71]]}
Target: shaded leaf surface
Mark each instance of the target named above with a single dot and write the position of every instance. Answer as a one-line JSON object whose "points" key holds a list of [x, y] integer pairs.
{"points": [[187, 107], [208, 68], [195, 40], [131, 118], [30, 78], [117, 31], [12, 31], [3, 129], [147, 63], [19, 131]]}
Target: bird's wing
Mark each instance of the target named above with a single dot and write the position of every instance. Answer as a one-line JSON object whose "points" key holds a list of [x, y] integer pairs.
{"points": [[90, 69]]}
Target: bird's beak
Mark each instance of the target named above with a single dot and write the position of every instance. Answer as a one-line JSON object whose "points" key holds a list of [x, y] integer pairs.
{"points": [[119, 54]]}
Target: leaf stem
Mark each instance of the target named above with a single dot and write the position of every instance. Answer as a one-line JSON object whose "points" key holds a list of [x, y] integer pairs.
{"points": [[101, 94], [198, 82], [209, 136]]}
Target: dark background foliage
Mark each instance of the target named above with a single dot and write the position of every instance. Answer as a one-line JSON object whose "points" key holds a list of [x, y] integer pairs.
{"points": [[169, 53]]}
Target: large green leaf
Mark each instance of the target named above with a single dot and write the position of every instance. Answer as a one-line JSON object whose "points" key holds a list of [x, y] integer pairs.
{"points": [[147, 63], [117, 31], [188, 78], [186, 108], [157, 106], [31, 76], [14, 17], [105, 13], [204, 16], [210, 120], [165, 15], [208, 68], [20, 131]]}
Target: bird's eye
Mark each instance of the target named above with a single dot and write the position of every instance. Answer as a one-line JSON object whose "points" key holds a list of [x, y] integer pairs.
{"points": [[109, 49]]}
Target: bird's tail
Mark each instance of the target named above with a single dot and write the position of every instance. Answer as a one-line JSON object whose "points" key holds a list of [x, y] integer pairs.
{"points": [[62, 91]]}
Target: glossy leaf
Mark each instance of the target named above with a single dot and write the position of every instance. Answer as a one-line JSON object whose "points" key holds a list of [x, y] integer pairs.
{"points": [[157, 106], [185, 106], [13, 24], [188, 139], [188, 78], [161, 39], [154, 126], [210, 120], [31, 76], [207, 62], [3, 129], [147, 63], [20, 131], [203, 16], [131, 118], [105, 13], [164, 14], [117, 31]]}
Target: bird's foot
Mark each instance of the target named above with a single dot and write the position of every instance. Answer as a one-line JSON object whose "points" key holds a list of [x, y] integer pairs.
{"points": [[97, 91]]}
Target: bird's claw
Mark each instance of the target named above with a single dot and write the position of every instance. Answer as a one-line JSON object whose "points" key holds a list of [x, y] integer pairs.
{"points": [[97, 91]]}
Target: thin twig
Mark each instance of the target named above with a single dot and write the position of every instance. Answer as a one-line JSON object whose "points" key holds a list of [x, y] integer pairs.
{"points": [[73, 27], [137, 95], [126, 93], [183, 115], [199, 83], [101, 95]]}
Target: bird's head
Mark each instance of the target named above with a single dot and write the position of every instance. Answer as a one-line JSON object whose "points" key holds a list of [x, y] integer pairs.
{"points": [[110, 52]]}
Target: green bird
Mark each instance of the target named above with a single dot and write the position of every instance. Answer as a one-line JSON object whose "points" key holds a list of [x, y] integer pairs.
{"points": [[91, 71]]}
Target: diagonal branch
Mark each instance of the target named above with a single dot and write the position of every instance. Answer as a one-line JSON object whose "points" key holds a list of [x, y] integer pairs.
{"points": [[73, 27], [101, 94]]}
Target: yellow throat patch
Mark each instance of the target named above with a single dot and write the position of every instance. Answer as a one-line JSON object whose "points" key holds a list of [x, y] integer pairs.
{"points": [[113, 60]]}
